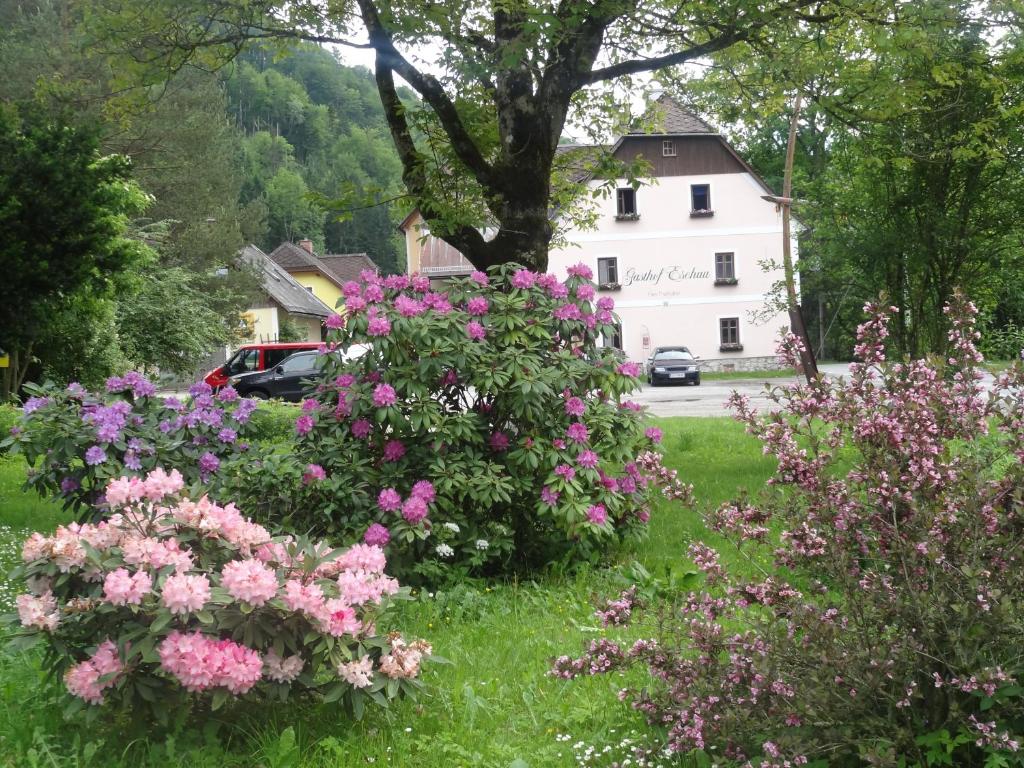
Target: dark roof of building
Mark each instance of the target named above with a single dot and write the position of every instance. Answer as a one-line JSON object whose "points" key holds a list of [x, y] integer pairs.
{"points": [[673, 119], [578, 160], [339, 268], [282, 287]]}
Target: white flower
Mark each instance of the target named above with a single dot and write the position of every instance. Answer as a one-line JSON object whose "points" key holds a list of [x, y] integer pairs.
{"points": [[482, 544], [444, 551], [453, 527]]}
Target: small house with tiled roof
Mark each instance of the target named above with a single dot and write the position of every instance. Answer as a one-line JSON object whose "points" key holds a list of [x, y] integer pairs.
{"points": [[690, 257], [282, 301], [323, 276]]}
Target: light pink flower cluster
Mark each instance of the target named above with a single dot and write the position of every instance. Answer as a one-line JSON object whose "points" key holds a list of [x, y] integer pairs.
{"points": [[200, 662], [154, 487], [123, 588], [358, 673], [282, 670], [183, 593], [250, 581], [405, 658], [40, 612], [83, 679]]}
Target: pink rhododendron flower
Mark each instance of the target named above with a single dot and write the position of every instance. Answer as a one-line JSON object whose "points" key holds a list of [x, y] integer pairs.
{"points": [[653, 434], [477, 306], [302, 597], [577, 432], [40, 612], [334, 322], [565, 472], [83, 679], [358, 673], [282, 670], [123, 588], [499, 441], [606, 303], [199, 662], [360, 587], [314, 473], [393, 450], [249, 581], [549, 496], [378, 326], [414, 510], [361, 428], [409, 307], [629, 369], [404, 659], [588, 459], [185, 594], [425, 490], [574, 406], [597, 514], [585, 292], [523, 278], [363, 558], [480, 278], [304, 424], [581, 270], [384, 395]]}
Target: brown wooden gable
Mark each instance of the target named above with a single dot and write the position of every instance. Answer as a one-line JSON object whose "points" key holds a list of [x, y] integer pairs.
{"points": [[695, 155]]}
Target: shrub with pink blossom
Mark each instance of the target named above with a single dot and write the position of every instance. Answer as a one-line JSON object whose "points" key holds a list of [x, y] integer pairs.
{"points": [[75, 441], [169, 601], [888, 630], [479, 390]]}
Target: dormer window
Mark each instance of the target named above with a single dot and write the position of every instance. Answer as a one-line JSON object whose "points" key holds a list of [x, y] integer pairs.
{"points": [[700, 200], [668, 148], [625, 204]]}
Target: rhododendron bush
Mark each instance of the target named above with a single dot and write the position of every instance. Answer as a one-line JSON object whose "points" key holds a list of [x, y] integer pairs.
{"points": [[890, 628], [169, 600], [485, 427], [76, 441]]}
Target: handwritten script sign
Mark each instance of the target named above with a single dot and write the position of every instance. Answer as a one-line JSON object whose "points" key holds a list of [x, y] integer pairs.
{"points": [[673, 274]]}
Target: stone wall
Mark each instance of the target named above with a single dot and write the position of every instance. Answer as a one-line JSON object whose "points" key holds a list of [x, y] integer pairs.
{"points": [[767, 363]]}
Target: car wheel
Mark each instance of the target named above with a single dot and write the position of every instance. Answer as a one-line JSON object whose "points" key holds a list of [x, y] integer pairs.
{"points": [[696, 383], [258, 394]]}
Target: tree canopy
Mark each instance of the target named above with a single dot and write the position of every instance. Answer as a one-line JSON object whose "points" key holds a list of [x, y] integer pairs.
{"points": [[496, 83]]}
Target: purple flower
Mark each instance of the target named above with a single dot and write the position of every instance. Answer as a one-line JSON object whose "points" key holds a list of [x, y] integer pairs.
{"points": [[409, 307], [384, 395], [351, 288], [629, 369], [478, 277], [549, 496], [414, 510], [424, 489], [131, 460], [523, 278], [597, 514], [95, 455], [361, 428], [244, 410], [396, 282], [173, 404], [627, 485], [355, 304], [574, 406], [313, 473], [308, 406], [577, 432], [199, 389], [588, 459], [566, 472], [34, 404], [208, 463], [393, 450], [389, 500], [499, 441], [378, 326], [227, 435], [334, 322], [76, 390], [377, 535], [69, 484], [475, 331], [567, 311], [581, 270], [585, 292], [373, 293], [116, 384], [477, 306], [438, 302], [227, 394], [653, 434], [606, 303], [304, 424], [558, 291], [421, 284]]}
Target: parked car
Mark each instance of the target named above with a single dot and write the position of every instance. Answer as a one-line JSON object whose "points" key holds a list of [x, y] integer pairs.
{"points": [[253, 358], [291, 380], [668, 365], [288, 380]]}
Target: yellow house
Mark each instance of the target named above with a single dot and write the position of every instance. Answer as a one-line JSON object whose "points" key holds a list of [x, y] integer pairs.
{"points": [[429, 255], [323, 276], [283, 300]]}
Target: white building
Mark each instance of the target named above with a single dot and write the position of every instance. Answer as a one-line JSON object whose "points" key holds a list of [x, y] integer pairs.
{"points": [[682, 256]]}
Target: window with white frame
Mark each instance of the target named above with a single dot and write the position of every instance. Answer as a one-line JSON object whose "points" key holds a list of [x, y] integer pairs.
{"points": [[668, 148], [608, 271]]}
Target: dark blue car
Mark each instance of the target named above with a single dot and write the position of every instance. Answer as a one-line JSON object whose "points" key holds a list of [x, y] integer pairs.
{"points": [[672, 365]]}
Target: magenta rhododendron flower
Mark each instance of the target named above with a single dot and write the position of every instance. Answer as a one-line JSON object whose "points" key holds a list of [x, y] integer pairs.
{"points": [[304, 424], [389, 500], [597, 514], [377, 535], [654, 434], [574, 406], [378, 326], [549, 496], [577, 432], [414, 510], [566, 472], [334, 322], [480, 278], [477, 306], [581, 270], [606, 303], [499, 441], [475, 331], [314, 473], [425, 490], [568, 311], [629, 369], [361, 428], [523, 278], [393, 450], [585, 292], [588, 459], [384, 395]]}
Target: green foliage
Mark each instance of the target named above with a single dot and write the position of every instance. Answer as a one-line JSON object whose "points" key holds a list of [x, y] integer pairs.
{"points": [[273, 423]]}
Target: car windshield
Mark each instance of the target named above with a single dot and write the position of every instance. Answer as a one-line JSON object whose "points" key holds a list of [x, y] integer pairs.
{"points": [[295, 363], [672, 354], [243, 361]]}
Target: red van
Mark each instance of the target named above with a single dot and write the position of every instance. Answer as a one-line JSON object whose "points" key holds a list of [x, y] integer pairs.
{"points": [[251, 358]]}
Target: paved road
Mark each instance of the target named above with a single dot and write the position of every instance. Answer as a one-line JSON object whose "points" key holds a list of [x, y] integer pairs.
{"points": [[709, 398]]}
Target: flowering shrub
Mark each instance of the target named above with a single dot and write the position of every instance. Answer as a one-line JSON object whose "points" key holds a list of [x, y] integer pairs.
{"points": [[891, 629], [483, 427], [170, 600], [75, 441]]}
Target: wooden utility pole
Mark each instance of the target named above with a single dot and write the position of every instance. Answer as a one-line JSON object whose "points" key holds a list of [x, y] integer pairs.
{"points": [[796, 321]]}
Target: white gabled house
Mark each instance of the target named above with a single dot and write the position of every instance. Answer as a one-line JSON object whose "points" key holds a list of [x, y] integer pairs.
{"points": [[682, 256]]}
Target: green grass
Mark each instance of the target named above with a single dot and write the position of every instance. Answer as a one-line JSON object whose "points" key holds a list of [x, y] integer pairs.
{"points": [[777, 373], [493, 706]]}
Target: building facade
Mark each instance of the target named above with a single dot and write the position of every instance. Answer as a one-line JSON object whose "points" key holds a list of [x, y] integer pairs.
{"points": [[690, 257], [283, 299], [323, 276]]}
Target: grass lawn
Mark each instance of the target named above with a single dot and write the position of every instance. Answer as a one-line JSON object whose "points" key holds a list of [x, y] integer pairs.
{"points": [[493, 706]]}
